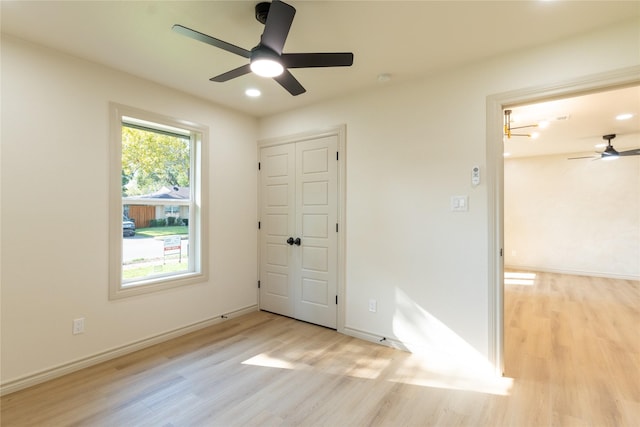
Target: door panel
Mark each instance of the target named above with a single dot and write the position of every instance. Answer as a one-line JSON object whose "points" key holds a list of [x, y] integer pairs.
{"points": [[315, 225], [299, 190], [277, 190], [316, 215]]}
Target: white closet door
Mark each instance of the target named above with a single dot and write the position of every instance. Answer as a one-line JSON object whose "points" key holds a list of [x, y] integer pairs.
{"points": [[299, 200], [316, 219], [278, 223]]}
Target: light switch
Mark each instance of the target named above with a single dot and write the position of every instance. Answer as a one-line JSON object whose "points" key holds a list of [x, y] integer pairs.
{"points": [[459, 203]]}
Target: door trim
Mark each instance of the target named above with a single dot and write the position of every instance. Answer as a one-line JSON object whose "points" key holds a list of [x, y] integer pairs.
{"points": [[628, 76], [340, 132]]}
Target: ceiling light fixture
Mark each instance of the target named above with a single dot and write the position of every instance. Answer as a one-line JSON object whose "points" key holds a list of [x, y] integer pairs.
{"points": [[265, 63], [625, 116], [609, 153], [384, 77], [508, 128], [252, 93], [267, 68]]}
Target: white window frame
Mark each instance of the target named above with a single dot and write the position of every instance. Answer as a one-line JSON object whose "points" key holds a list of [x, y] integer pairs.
{"points": [[198, 224]]}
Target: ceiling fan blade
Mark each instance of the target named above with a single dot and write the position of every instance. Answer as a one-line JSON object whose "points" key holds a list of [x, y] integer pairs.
{"points": [[290, 83], [634, 152], [196, 35], [277, 26], [584, 157], [309, 60], [237, 72]]}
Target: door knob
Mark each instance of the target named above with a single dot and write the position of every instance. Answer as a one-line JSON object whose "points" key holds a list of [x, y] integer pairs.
{"points": [[297, 241], [290, 241]]}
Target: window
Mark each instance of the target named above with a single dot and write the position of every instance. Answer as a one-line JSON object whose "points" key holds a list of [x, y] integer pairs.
{"points": [[156, 170]]}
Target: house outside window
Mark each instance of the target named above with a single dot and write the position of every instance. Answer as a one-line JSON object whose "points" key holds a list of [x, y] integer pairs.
{"points": [[156, 189]]}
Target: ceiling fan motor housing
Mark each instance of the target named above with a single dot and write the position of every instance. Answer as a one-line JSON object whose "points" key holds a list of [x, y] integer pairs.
{"points": [[262, 11]]}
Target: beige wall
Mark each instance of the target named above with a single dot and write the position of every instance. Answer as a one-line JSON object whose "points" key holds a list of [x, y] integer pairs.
{"points": [[576, 217], [55, 130], [411, 147]]}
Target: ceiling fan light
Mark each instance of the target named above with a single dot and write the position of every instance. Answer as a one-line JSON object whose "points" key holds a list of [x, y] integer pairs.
{"points": [[610, 153], [266, 67]]}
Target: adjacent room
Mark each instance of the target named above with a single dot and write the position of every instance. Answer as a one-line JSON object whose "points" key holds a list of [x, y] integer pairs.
{"points": [[365, 232]]}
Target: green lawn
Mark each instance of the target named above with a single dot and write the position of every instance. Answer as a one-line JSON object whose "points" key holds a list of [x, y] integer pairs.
{"points": [[148, 270], [162, 231]]}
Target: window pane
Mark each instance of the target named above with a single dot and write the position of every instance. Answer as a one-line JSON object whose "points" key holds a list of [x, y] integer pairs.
{"points": [[156, 200], [159, 245], [154, 164]]}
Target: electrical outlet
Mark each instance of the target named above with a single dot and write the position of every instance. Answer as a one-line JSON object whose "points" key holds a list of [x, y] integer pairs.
{"points": [[78, 326], [373, 305]]}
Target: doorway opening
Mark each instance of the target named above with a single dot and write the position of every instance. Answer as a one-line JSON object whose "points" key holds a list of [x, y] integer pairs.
{"points": [[496, 104]]}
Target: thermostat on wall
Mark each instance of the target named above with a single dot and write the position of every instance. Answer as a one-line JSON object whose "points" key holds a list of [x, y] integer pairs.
{"points": [[475, 175]]}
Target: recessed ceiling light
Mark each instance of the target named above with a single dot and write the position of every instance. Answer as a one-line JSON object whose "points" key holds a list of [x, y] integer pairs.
{"points": [[535, 135], [384, 77], [625, 116], [601, 145], [506, 154], [253, 93]]}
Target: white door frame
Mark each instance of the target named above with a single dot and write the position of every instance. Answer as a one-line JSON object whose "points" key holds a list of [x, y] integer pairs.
{"points": [[495, 185], [340, 132]]}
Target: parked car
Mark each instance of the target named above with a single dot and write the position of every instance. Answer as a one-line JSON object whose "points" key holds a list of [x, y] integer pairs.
{"points": [[128, 227]]}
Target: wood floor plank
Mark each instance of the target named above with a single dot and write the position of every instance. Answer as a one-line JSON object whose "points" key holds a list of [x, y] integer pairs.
{"points": [[572, 348]]}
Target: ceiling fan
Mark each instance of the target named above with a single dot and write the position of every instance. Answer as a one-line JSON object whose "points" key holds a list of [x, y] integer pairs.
{"points": [[610, 153], [266, 59]]}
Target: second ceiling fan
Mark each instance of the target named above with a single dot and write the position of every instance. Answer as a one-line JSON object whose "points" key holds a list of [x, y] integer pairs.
{"points": [[267, 59], [610, 153]]}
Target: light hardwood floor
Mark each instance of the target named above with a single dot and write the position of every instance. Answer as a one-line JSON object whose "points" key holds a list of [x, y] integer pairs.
{"points": [[572, 349]]}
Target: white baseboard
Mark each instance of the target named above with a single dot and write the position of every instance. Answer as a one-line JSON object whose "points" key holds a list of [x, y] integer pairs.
{"points": [[67, 368], [377, 339], [572, 272]]}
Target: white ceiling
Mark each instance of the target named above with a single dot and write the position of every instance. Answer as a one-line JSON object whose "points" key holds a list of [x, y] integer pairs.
{"points": [[577, 124], [406, 39]]}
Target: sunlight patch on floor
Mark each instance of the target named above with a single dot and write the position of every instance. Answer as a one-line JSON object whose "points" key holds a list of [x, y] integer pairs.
{"points": [[267, 361], [519, 278], [417, 372], [440, 357], [342, 362]]}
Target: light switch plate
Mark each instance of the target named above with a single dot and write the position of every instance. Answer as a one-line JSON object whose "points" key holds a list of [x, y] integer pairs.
{"points": [[459, 203]]}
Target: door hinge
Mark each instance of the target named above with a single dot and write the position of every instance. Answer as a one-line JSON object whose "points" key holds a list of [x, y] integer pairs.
{"points": [[500, 251], [337, 155], [336, 299], [259, 225], [336, 227], [258, 165], [258, 284]]}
